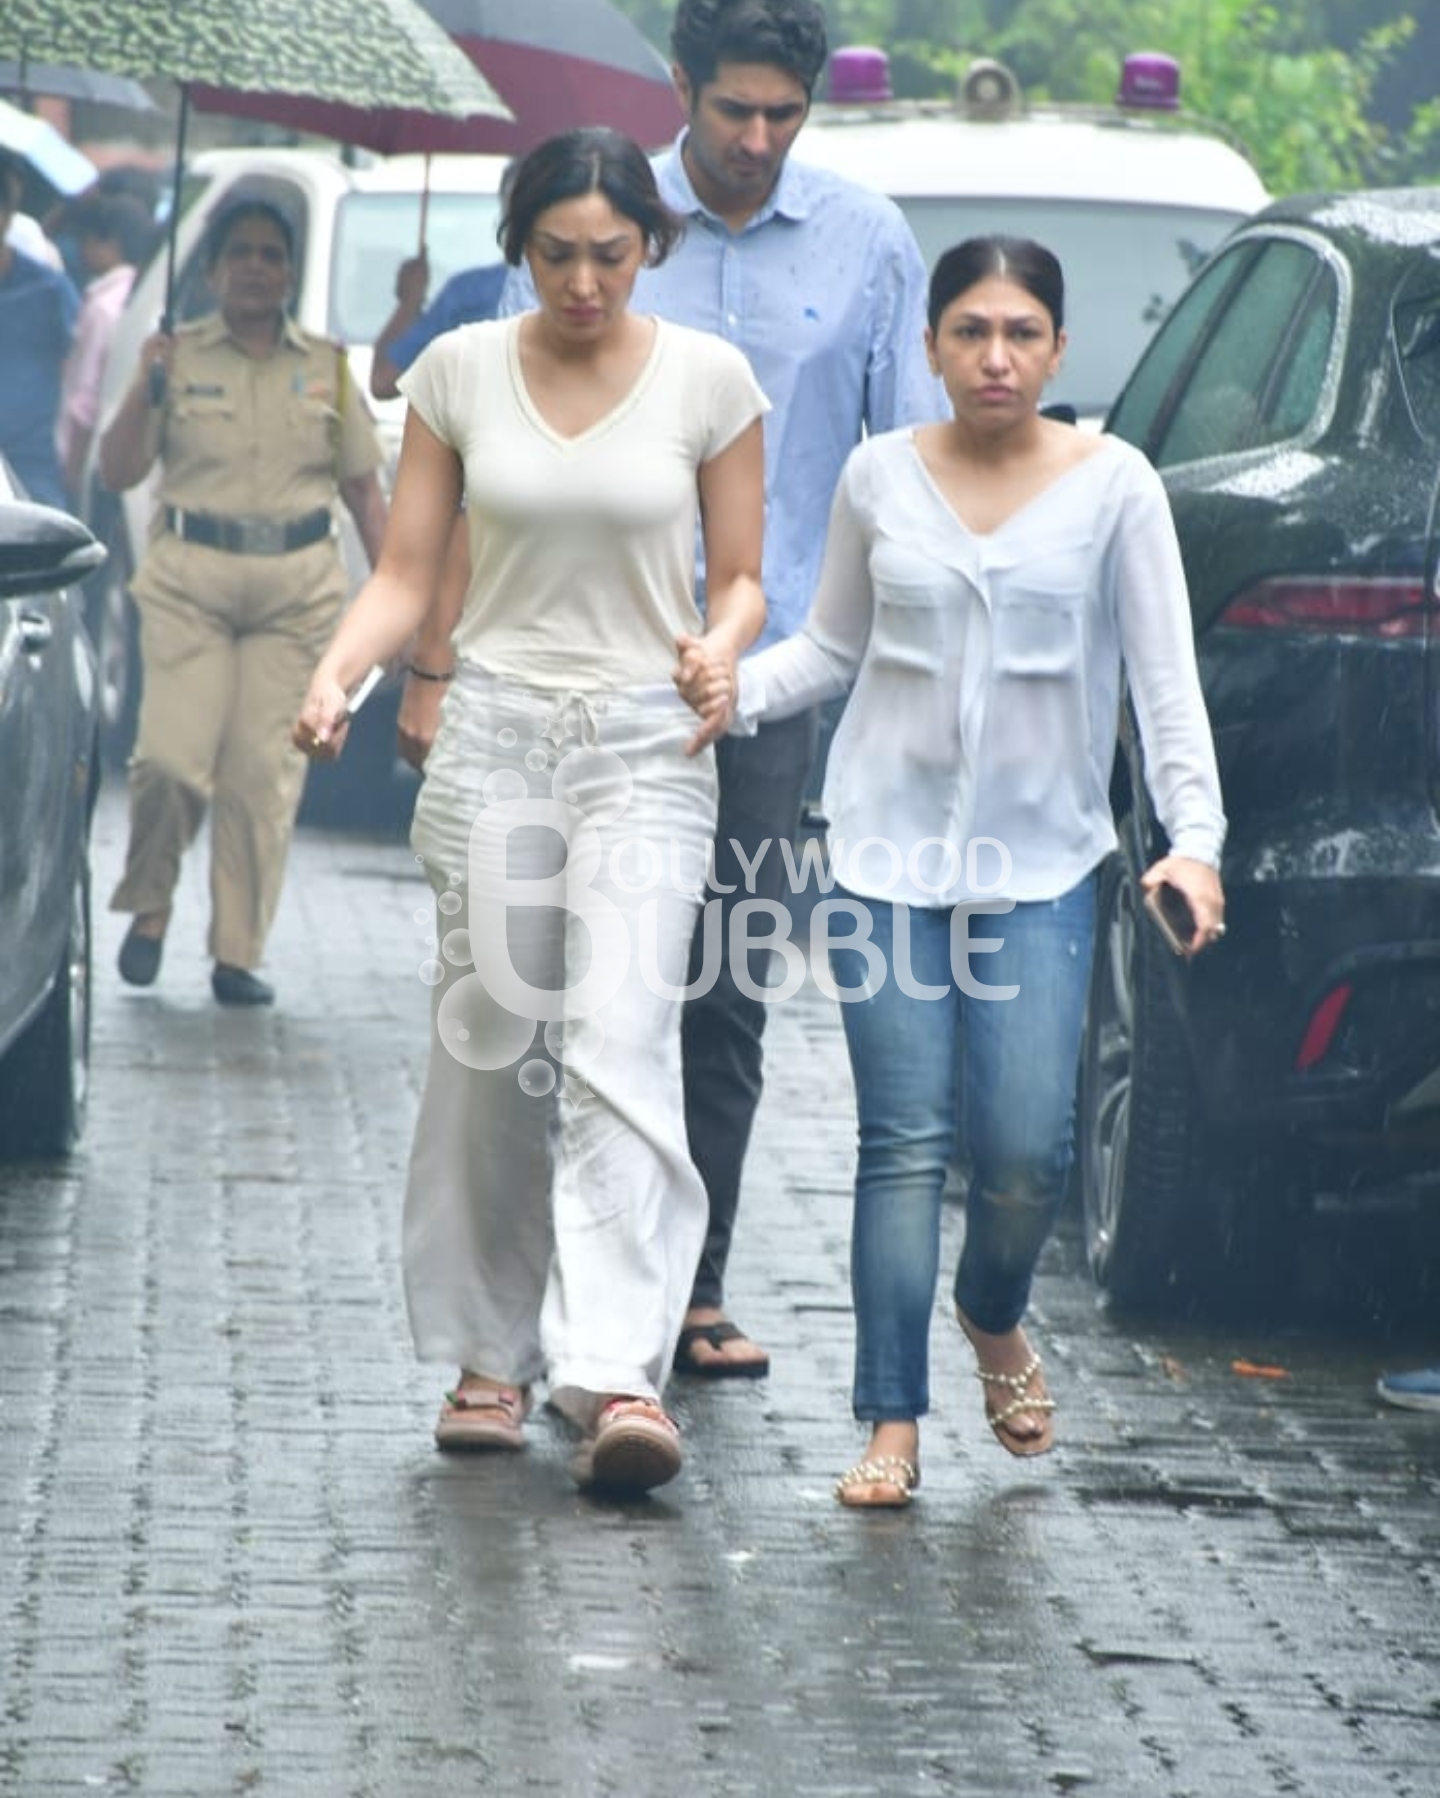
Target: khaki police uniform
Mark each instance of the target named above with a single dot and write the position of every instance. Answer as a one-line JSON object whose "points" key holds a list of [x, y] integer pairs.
{"points": [[238, 594]]}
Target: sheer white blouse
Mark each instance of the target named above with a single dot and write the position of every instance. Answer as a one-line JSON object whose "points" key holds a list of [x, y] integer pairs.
{"points": [[973, 758]]}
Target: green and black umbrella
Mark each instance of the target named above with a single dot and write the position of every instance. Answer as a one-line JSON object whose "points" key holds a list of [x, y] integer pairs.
{"points": [[370, 54], [555, 63], [367, 53]]}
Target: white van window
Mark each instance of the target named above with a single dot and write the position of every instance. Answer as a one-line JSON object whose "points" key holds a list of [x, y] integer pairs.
{"points": [[376, 232], [1125, 266]]}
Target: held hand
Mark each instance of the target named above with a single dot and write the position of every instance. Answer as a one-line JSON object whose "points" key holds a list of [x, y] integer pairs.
{"points": [[1201, 886], [706, 680], [320, 730], [412, 282], [419, 719]]}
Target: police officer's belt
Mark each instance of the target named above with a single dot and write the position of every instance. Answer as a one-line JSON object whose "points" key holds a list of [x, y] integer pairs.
{"points": [[249, 536]]}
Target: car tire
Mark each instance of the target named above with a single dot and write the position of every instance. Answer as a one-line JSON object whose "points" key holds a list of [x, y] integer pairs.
{"points": [[1153, 1194], [114, 627], [45, 1076]]}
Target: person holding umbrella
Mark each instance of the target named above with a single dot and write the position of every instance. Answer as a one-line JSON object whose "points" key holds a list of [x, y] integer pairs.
{"points": [[466, 298], [257, 429]]}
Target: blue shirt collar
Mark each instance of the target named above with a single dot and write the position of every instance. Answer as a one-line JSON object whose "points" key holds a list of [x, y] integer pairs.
{"points": [[791, 197]]}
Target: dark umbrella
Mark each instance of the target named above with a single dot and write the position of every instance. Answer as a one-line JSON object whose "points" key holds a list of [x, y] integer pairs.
{"points": [[370, 54], [62, 83], [555, 63]]}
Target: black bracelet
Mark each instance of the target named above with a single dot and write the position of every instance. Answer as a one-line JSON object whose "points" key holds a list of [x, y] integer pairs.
{"points": [[428, 673]]}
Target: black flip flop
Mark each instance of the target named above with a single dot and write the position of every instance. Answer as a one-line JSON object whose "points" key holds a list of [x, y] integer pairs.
{"points": [[715, 1335]]}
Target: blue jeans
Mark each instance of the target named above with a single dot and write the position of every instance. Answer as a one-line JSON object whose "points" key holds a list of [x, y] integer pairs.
{"points": [[1020, 1059]]}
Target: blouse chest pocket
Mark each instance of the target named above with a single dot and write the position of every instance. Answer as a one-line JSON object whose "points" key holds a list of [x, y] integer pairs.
{"points": [[912, 595], [908, 632], [1040, 633]]}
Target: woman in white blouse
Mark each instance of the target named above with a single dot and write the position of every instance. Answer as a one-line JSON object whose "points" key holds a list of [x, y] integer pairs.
{"points": [[553, 1217], [984, 580]]}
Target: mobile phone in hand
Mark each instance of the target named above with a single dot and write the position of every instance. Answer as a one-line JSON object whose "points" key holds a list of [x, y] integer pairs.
{"points": [[358, 695], [1170, 909]]}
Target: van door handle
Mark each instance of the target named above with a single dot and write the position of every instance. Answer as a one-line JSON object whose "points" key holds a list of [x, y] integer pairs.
{"points": [[36, 633]]}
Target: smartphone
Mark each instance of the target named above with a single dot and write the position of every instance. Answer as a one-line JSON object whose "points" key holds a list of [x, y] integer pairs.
{"points": [[1173, 917], [358, 695]]}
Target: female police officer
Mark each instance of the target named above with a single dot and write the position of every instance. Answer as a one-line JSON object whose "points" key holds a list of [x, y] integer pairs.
{"points": [[256, 426]]}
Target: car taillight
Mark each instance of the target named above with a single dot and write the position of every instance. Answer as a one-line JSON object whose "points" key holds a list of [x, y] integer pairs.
{"points": [[1320, 1031], [1382, 606]]}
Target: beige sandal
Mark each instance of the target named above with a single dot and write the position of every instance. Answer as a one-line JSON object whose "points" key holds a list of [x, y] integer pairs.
{"points": [[894, 1471], [483, 1415], [634, 1447], [1024, 1403]]}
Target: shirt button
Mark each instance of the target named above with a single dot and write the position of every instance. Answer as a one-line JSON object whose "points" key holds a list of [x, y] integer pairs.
{"points": [[732, 318]]}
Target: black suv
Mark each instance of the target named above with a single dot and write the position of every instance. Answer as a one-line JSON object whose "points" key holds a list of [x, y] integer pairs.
{"points": [[1291, 402], [48, 774]]}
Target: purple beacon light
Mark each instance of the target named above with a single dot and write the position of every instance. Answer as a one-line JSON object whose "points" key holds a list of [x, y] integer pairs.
{"points": [[860, 76], [1150, 79]]}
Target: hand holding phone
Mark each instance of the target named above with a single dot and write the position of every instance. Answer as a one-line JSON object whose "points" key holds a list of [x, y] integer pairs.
{"points": [[1173, 917], [357, 696]]}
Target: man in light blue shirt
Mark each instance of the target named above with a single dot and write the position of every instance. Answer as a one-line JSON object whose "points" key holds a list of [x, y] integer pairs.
{"points": [[821, 284]]}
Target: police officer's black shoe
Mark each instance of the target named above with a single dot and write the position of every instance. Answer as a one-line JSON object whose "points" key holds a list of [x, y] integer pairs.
{"points": [[140, 958], [238, 986]]}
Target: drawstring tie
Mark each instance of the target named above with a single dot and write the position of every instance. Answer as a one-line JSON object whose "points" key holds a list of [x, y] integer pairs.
{"points": [[560, 723]]}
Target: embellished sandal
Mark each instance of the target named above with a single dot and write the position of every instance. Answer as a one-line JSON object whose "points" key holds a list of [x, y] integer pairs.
{"points": [[634, 1447], [483, 1416], [894, 1471], [1023, 1403]]}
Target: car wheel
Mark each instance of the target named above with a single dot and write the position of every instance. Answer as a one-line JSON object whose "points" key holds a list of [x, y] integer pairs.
{"points": [[45, 1077], [114, 630], [1153, 1200]]}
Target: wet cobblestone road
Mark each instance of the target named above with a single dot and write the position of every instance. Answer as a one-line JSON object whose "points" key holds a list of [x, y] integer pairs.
{"points": [[232, 1563]]}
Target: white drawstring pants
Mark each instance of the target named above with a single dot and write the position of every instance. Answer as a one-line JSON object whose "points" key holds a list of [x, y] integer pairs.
{"points": [[553, 1217]]}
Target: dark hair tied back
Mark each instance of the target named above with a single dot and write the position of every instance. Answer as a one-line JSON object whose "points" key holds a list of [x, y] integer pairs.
{"points": [[1019, 259], [576, 163]]}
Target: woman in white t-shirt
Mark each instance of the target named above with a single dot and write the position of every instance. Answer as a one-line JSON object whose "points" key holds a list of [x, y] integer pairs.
{"points": [[983, 581], [553, 1218]]}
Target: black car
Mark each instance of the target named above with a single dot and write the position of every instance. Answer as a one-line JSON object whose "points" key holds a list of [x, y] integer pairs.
{"points": [[1291, 402], [48, 773]]}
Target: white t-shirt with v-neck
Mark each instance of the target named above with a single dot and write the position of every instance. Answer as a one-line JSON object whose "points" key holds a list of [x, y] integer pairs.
{"points": [[985, 670], [582, 548]]}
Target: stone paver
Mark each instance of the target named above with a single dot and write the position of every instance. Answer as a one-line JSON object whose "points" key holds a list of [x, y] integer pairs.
{"points": [[232, 1563]]}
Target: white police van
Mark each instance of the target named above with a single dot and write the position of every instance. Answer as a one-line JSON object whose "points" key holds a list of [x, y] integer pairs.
{"points": [[1129, 198]]}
